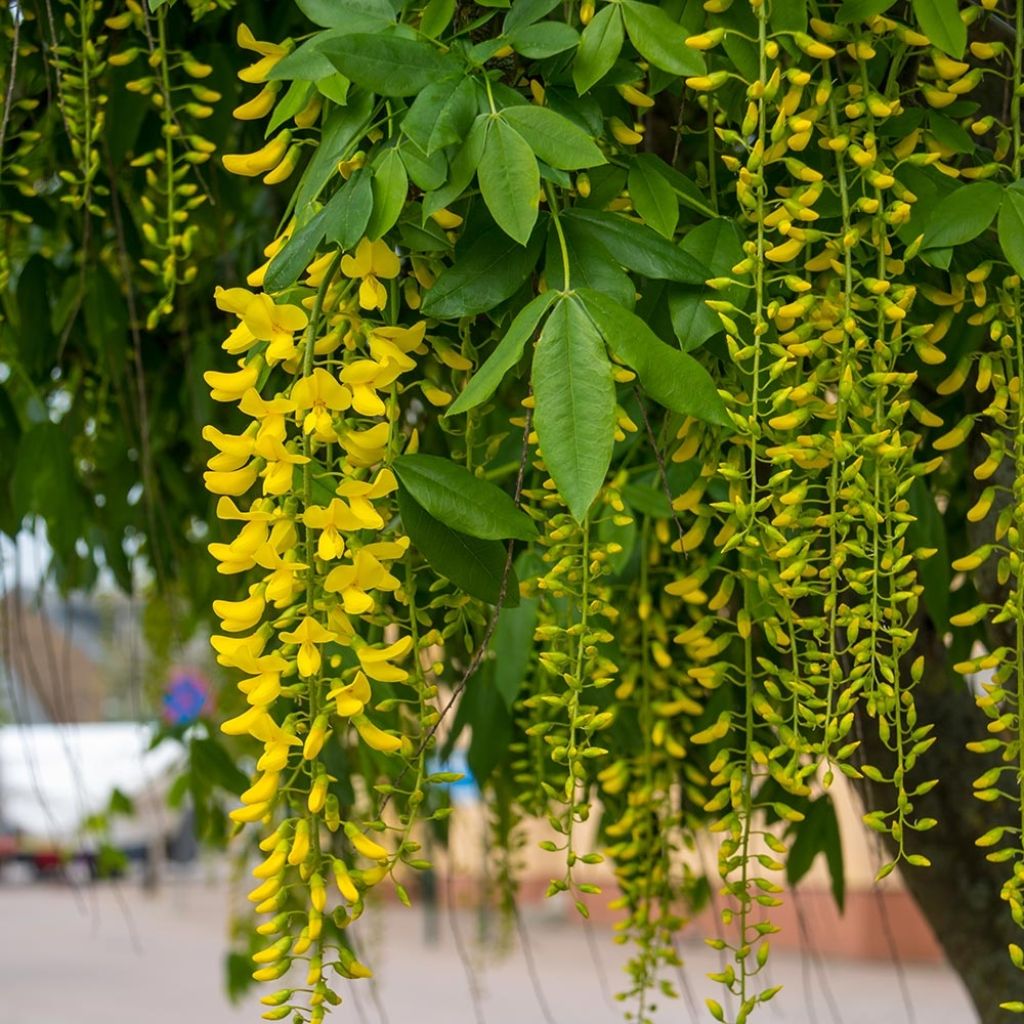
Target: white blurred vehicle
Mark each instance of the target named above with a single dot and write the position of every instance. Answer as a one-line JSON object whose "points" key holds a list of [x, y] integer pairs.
{"points": [[57, 780]]}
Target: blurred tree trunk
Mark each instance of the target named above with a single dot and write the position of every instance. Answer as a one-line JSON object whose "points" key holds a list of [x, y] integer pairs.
{"points": [[959, 893]]}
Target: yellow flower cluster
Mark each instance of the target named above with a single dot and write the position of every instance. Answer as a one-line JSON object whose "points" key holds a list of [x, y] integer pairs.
{"points": [[319, 563], [307, 485]]}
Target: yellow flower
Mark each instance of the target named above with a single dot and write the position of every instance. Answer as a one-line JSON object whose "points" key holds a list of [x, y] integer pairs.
{"points": [[239, 555], [282, 585], [234, 482], [365, 447], [372, 261], [376, 661], [354, 581], [262, 689], [278, 474], [318, 396], [375, 738], [234, 447], [360, 494], [308, 634], [270, 414], [337, 517], [229, 387], [350, 700], [262, 160], [240, 616], [260, 105], [262, 790], [260, 511], [271, 54], [365, 377], [264, 320]]}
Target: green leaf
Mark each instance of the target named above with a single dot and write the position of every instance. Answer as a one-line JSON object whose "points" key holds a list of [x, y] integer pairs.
{"points": [[637, 247], [462, 500], [298, 252], [37, 343], [660, 39], [294, 100], [455, 118], [929, 531], [44, 481], [473, 565], [962, 215], [788, 15], [508, 352], [513, 646], [424, 111], [509, 180], [437, 15], [485, 274], [544, 40], [718, 245], [949, 134], [526, 12], [343, 128], [575, 405], [367, 14], [653, 197], [425, 172], [389, 65], [211, 762], [600, 46], [672, 378], [483, 709], [306, 63], [590, 266], [335, 88], [348, 212], [818, 833], [462, 169], [390, 190], [940, 21], [862, 10], [554, 138], [1011, 228]]}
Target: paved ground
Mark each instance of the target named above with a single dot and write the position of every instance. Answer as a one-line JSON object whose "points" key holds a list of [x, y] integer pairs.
{"points": [[112, 955]]}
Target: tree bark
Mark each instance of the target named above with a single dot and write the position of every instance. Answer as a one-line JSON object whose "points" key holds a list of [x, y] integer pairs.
{"points": [[960, 893]]}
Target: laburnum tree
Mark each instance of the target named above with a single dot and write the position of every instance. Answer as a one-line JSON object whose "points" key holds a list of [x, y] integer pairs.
{"points": [[633, 389]]}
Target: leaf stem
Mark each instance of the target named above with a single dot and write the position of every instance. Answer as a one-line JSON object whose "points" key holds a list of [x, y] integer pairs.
{"points": [[553, 206]]}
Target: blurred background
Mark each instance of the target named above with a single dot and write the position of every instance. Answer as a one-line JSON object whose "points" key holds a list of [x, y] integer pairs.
{"points": [[108, 775]]}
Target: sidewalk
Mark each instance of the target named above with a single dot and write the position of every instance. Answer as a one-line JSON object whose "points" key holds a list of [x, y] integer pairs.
{"points": [[114, 955]]}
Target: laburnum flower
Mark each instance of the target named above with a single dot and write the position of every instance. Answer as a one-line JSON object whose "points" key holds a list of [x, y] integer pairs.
{"points": [[270, 54], [318, 396], [371, 262], [234, 449], [282, 582], [240, 616], [354, 580], [360, 494], [308, 635], [239, 555], [376, 661], [239, 651], [270, 414], [229, 387], [233, 482], [365, 447], [278, 472], [264, 320], [351, 699], [336, 518]]}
